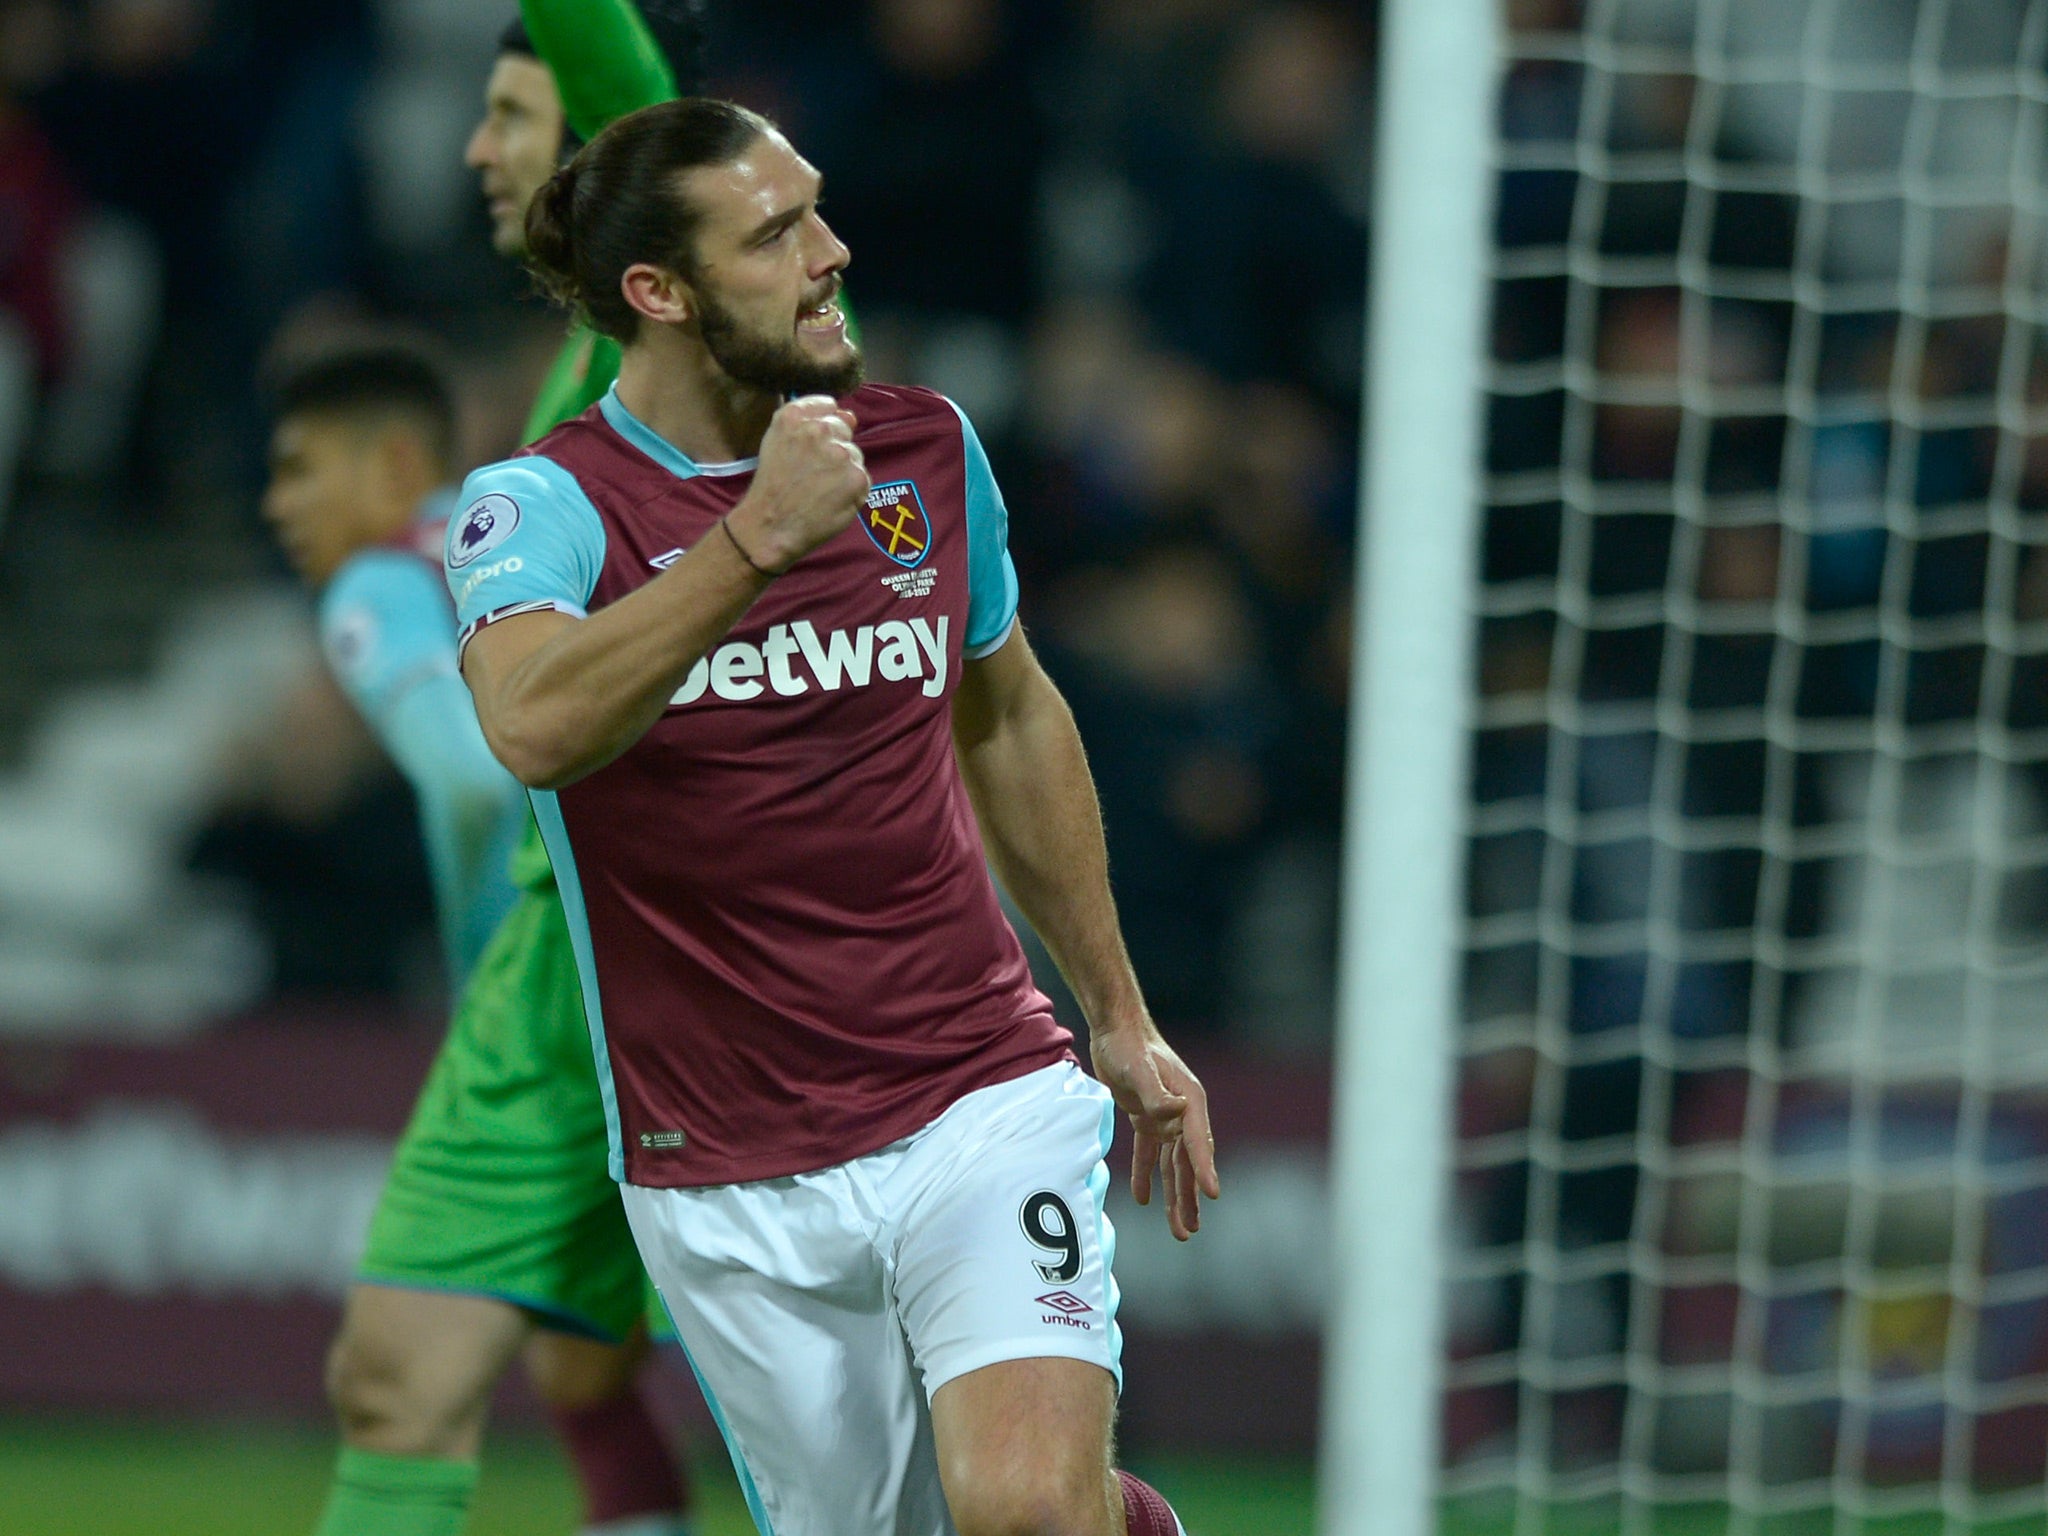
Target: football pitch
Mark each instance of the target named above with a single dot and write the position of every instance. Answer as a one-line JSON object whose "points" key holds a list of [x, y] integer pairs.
{"points": [[78, 1476], [66, 1476]]}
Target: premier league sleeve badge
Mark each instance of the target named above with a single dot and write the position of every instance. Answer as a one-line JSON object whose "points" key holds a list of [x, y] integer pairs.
{"points": [[487, 523]]}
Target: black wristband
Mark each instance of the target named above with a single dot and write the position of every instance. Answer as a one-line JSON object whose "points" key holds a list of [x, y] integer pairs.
{"points": [[752, 564]]}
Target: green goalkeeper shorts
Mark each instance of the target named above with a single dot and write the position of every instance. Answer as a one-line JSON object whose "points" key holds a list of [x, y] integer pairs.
{"points": [[500, 1185]]}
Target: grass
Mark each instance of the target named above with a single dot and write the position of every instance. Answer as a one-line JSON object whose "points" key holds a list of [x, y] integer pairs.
{"points": [[76, 1476], [1494, 1516], [64, 1476]]}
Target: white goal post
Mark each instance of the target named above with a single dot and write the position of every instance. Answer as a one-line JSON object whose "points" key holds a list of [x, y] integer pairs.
{"points": [[1405, 802]]}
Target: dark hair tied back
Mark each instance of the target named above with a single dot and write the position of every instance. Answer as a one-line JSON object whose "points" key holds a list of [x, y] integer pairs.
{"points": [[621, 202], [551, 238]]}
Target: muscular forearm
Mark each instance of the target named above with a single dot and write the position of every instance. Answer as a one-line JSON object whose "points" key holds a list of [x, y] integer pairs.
{"points": [[590, 690], [1040, 823], [559, 698]]}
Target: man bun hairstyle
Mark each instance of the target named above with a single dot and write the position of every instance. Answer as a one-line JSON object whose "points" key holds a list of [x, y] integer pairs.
{"points": [[551, 240], [621, 202]]}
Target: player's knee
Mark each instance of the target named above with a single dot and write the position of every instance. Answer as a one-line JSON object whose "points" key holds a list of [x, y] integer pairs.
{"points": [[385, 1403], [1037, 1496], [359, 1385]]}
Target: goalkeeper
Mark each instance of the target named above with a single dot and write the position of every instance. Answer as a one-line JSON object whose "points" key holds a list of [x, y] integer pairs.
{"points": [[500, 1230]]}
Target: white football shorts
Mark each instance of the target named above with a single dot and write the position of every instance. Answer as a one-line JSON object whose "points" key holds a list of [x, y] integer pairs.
{"points": [[821, 1312]]}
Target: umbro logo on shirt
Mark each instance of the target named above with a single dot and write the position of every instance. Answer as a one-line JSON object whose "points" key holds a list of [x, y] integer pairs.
{"points": [[794, 658]]}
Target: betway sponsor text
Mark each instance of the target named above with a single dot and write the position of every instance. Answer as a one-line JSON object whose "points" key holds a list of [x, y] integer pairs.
{"points": [[794, 658]]}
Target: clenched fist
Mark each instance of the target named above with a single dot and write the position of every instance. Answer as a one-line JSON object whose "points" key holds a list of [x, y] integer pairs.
{"points": [[812, 482]]}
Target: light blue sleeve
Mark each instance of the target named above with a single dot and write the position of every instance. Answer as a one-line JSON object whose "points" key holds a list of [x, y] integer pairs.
{"points": [[387, 629], [389, 638], [527, 538], [991, 577]]}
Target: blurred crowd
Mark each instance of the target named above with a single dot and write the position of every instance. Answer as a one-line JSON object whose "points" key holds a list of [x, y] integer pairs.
{"points": [[1128, 236], [1763, 451]]}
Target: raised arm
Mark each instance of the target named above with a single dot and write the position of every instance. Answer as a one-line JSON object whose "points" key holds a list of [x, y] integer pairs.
{"points": [[560, 695]]}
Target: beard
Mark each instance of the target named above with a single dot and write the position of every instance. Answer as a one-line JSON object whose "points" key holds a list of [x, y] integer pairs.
{"points": [[776, 365]]}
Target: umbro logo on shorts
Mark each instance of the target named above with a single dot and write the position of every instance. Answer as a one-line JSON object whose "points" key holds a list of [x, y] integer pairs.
{"points": [[1065, 1301], [1067, 1308]]}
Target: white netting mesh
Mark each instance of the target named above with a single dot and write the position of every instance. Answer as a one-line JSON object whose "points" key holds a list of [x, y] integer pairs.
{"points": [[1753, 1159]]}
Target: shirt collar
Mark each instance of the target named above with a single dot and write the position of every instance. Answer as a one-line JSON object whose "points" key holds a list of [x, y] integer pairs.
{"points": [[659, 448]]}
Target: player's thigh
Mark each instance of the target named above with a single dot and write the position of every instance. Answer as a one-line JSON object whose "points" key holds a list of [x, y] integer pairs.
{"points": [[411, 1371], [1025, 1445], [1000, 1245], [781, 1304], [569, 1373]]}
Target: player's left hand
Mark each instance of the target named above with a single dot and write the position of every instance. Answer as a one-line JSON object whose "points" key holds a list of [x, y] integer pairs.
{"points": [[1169, 1111]]}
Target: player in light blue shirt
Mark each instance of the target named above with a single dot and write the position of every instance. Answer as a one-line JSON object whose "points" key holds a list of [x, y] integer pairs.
{"points": [[362, 465]]}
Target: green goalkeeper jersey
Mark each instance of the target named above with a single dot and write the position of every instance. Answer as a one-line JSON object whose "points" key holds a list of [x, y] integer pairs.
{"points": [[605, 64]]}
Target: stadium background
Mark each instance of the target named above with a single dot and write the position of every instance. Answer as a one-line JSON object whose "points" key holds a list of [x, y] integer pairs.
{"points": [[1128, 235]]}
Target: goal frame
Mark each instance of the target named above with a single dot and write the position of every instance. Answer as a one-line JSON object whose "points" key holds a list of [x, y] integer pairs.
{"points": [[1405, 804]]}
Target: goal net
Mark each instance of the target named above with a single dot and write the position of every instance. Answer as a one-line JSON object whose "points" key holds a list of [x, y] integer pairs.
{"points": [[1751, 1176]]}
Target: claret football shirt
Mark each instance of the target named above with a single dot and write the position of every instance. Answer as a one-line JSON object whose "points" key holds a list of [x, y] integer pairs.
{"points": [[790, 948]]}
